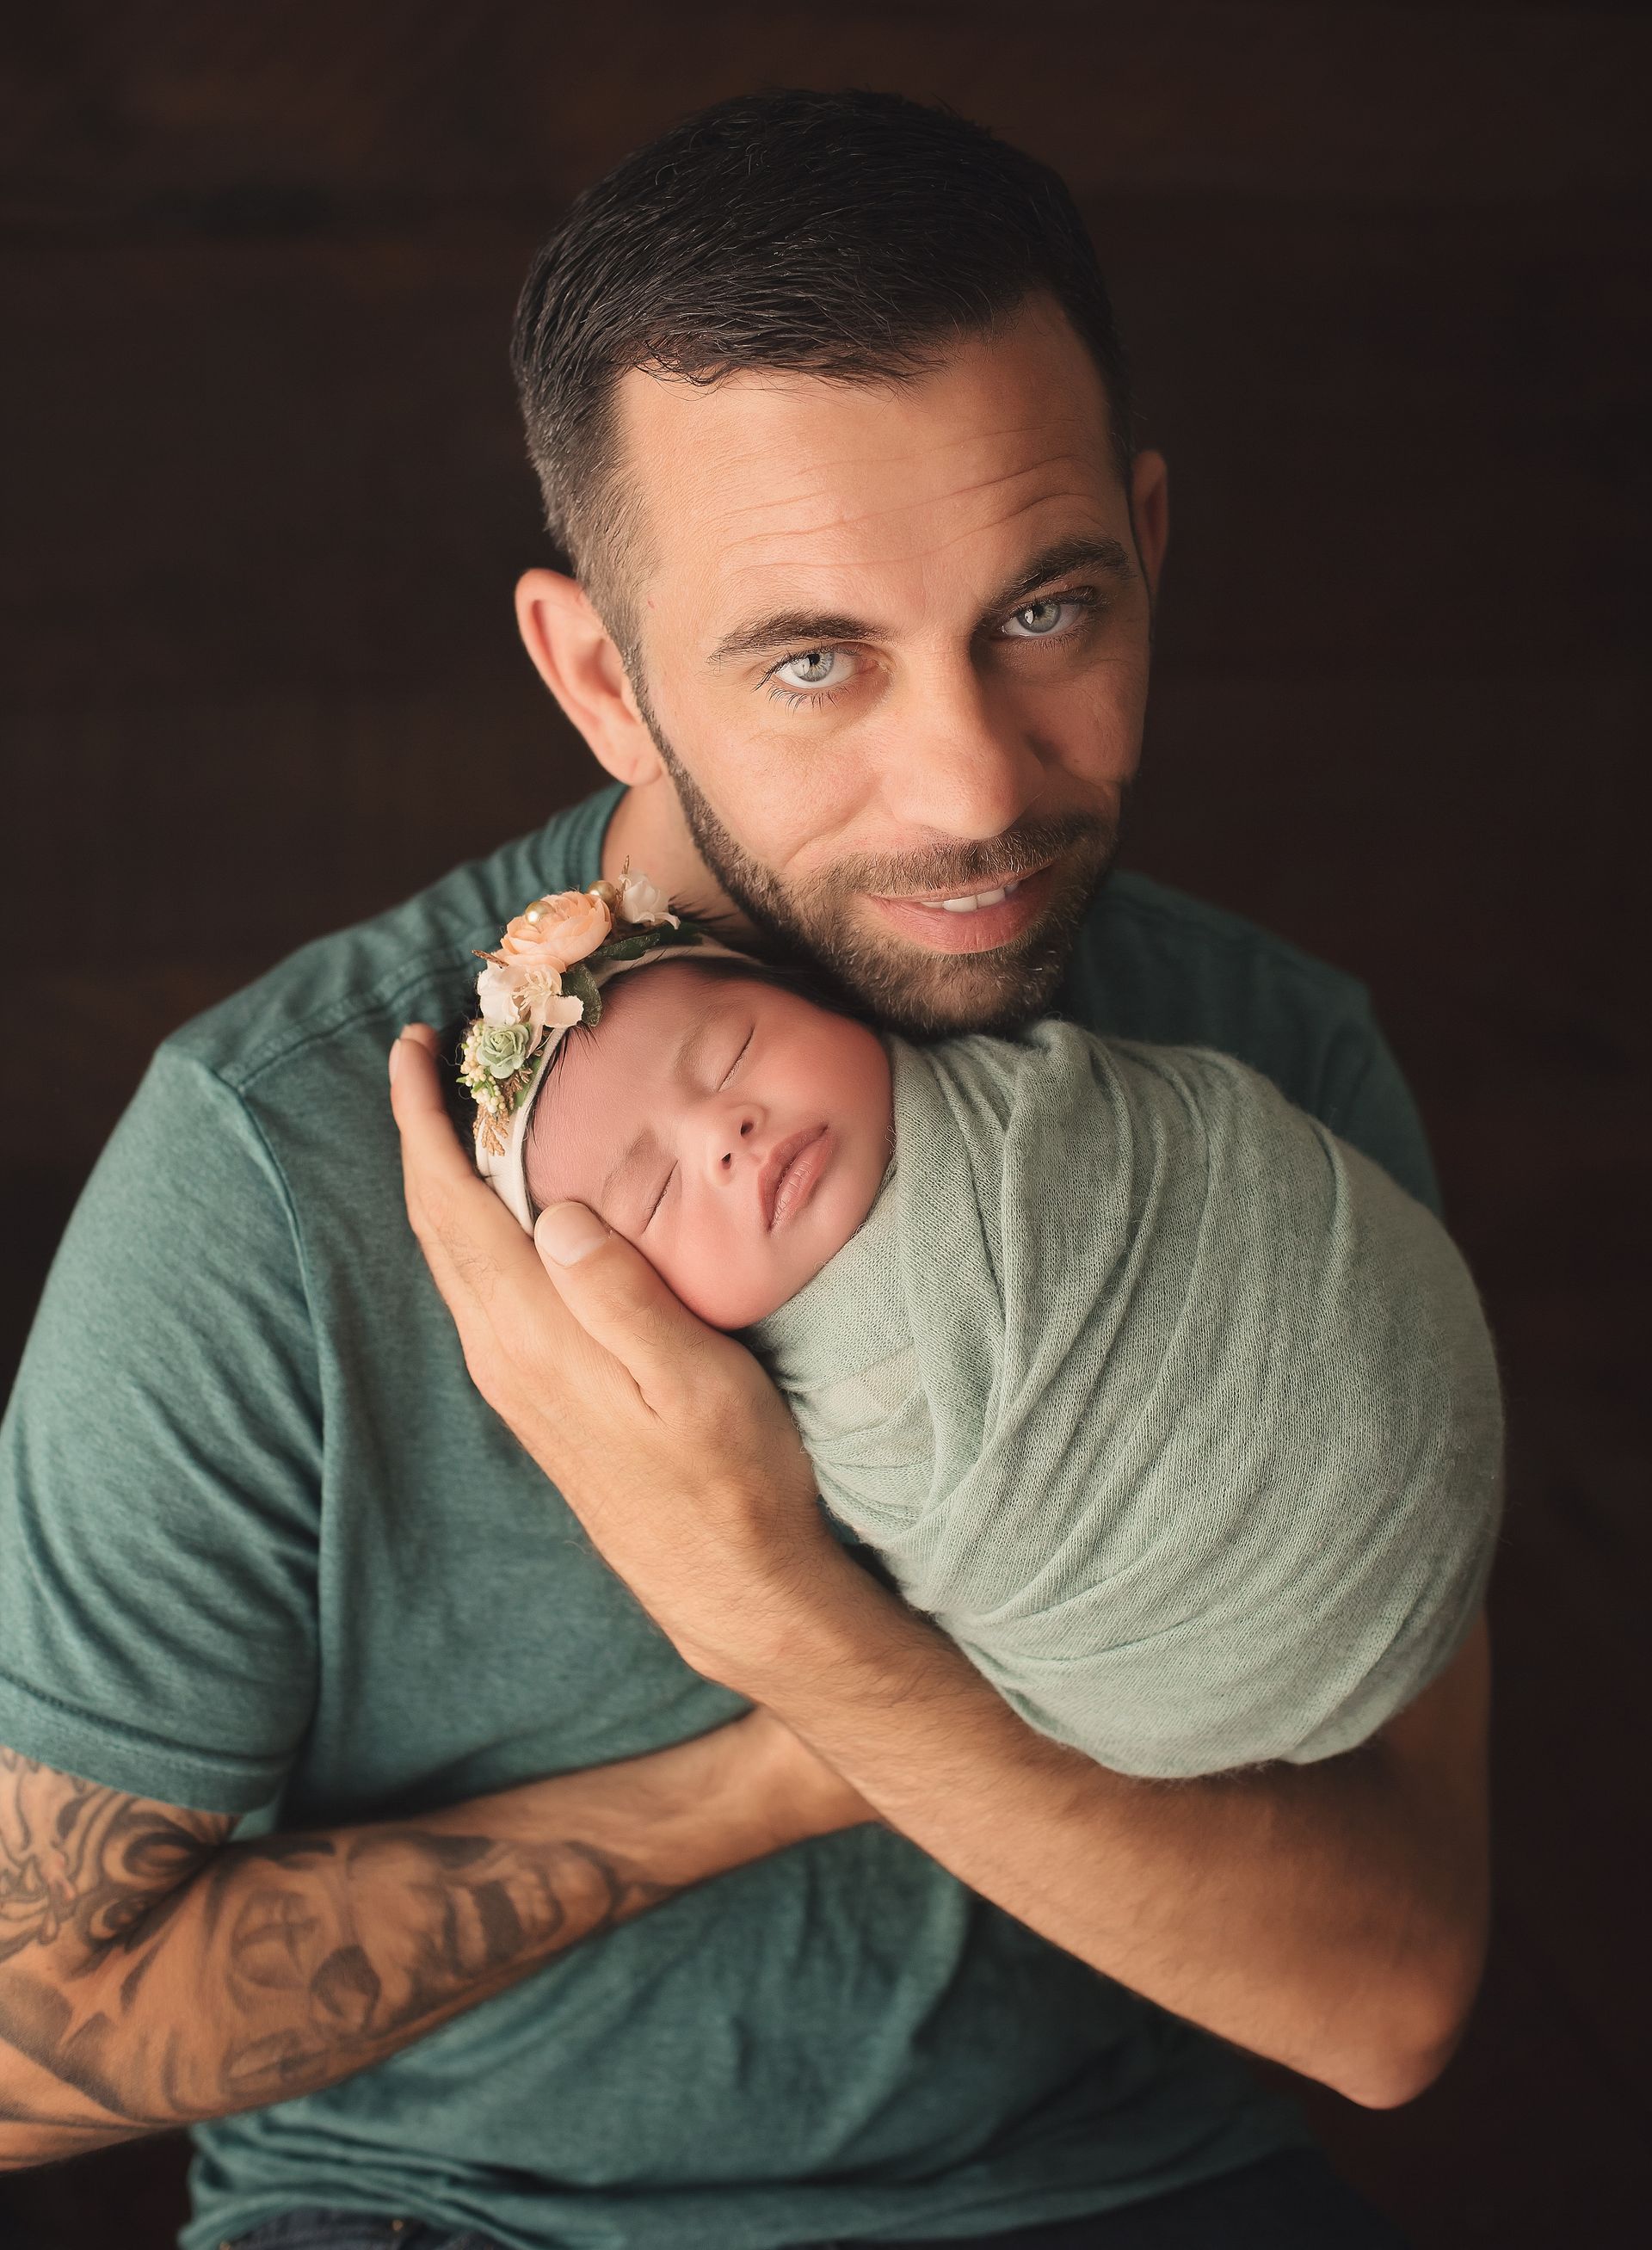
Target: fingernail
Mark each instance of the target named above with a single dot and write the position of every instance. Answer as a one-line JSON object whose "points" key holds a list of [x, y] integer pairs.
{"points": [[570, 1232], [395, 1059]]}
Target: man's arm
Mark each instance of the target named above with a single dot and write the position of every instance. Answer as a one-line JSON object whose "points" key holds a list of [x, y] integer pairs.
{"points": [[152, 1974], [1330, 1916]]}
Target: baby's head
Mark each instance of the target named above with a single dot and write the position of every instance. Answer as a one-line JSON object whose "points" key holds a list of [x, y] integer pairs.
{"points": [[735, 1131]]}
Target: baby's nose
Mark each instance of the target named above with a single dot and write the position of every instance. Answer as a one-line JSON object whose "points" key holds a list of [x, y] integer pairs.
{"points": [[736, 1136]]}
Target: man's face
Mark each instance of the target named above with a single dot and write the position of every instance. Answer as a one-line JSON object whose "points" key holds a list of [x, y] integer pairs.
{"points": [[892, 646]]}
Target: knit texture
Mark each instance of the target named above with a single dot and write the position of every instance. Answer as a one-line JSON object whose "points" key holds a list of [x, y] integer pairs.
{"points": [[1171, 1409]]}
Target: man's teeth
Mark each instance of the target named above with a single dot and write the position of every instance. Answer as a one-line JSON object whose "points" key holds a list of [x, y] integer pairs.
{"points": [[980, 899]]}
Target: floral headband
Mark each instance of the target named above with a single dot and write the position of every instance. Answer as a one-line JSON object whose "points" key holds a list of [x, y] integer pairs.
{"points": [[546, 976]]}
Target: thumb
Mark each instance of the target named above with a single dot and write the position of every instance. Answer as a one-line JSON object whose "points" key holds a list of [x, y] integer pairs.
{"points": [[618, 1297]]}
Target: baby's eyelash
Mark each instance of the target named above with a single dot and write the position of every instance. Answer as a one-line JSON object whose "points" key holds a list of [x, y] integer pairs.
{"points": [[659, 1199], [664, 1185]]}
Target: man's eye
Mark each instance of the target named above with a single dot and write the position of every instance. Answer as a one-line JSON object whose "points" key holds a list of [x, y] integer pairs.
{"points": [[1080, 599], [825, 666], [806, 692], [738, 1060]]}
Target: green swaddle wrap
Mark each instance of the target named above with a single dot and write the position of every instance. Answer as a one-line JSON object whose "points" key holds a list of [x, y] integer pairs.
{"points": [[1174, 1412]]}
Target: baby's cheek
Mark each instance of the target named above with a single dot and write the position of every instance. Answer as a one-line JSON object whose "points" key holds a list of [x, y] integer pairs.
{"points": [[727, 1273]]}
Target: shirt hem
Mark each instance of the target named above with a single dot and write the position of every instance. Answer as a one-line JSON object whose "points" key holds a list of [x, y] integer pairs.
{"points": [[119, 1757]]}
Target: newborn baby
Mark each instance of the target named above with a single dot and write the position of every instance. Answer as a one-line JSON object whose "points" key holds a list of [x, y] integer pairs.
{"points": [[737, 1132], [1173, 1412]]}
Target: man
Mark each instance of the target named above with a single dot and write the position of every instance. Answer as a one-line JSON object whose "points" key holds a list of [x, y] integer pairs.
{"points": [[834, 426]]}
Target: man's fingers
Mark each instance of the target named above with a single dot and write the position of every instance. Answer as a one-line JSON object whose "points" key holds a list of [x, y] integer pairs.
{"points": [[479, 1258], [619, 1299], [430, 1153], [468, 1236]]}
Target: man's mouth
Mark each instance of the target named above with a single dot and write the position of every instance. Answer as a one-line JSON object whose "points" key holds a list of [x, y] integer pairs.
{"points": [[969, 921], [792, 1171], [974, 902]]}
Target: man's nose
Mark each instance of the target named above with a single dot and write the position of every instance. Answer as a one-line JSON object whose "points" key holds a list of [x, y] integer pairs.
{"points": [[960, 761]]}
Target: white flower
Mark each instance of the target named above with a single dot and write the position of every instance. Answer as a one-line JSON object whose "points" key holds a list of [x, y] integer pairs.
{"points": [[540, 995], [643, 903], [497, 996]]}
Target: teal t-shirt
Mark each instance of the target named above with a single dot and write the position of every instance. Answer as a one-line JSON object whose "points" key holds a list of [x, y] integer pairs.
{"points": [[264, 1550]]}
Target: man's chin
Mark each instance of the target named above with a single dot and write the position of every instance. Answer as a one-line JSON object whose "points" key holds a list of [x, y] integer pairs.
{"points": [[921, 990], [925, 995]]}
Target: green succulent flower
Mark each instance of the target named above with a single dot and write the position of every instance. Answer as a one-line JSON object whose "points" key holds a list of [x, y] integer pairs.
{"points": [[500, 1049]]}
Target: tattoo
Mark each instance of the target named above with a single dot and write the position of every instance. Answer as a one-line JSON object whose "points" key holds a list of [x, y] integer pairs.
{"points": [[322, 1953], [82, 1861]]}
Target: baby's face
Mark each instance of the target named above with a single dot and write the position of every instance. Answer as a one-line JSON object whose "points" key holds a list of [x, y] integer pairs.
{"points": [[737, 1133]]}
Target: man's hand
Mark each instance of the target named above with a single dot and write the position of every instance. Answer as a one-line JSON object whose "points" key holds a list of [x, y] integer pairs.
{"points": [[1332, 1916], [664, 1436]]}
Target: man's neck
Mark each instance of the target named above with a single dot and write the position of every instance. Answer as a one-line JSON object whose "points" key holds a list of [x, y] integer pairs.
{"points": [[648, 830]]}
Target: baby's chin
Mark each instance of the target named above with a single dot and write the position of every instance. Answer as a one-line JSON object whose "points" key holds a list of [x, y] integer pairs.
{"points": [[731, 1309], [731, 1301]]}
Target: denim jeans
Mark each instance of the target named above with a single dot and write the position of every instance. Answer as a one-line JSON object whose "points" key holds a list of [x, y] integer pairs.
{"points": [[1293, 2201]]}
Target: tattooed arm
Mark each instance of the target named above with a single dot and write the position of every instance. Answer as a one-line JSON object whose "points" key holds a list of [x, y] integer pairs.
{"points": [[317, 1954]]}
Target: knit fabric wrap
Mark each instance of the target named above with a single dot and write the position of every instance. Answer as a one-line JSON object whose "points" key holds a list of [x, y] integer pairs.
{"points": [[1175, 1413]]}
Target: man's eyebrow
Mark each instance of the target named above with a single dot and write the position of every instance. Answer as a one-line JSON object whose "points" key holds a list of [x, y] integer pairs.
{"points": [[813, 628]]}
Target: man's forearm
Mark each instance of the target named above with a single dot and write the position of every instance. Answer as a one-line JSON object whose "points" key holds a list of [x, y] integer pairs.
{"points": [[289, 1961], [1330, 1916]]}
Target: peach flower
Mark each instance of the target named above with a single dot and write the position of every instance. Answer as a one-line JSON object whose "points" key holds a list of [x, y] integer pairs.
{"points": [[565, 928]]}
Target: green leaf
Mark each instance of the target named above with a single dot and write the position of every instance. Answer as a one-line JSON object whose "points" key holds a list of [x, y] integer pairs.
{"points": [[579, 982]]}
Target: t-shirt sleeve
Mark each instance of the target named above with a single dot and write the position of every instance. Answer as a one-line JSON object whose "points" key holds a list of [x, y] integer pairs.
{"points": [[160, 1468], [1366, 1101]]}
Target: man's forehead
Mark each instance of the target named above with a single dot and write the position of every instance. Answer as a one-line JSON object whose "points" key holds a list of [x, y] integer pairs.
{"points": [[1004, 446]]}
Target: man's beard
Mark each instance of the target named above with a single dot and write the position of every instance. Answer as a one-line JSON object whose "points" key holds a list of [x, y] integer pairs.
{"points": [[921, 994]]}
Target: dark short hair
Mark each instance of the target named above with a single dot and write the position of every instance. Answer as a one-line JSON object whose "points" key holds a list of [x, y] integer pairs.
{"points": [[850, 235]]}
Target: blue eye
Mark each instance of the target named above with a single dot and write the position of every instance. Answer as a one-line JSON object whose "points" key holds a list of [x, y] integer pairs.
{"points": [[813, 693], [1037, 620], [811, 656], [1050, 602], [818, 694]]}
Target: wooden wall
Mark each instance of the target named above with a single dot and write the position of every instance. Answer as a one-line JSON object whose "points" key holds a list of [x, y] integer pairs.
{"points": [[1383, 270]]}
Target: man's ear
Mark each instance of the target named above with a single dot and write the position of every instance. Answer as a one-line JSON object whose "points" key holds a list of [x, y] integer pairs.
{"points": [[1149, 513], [575, 656]]}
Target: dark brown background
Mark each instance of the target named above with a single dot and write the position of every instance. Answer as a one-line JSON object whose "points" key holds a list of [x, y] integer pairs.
{"points": [[1381, 266]]}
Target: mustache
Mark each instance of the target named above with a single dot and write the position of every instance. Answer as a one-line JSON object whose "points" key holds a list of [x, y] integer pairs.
{"points": [[980, 868]]}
